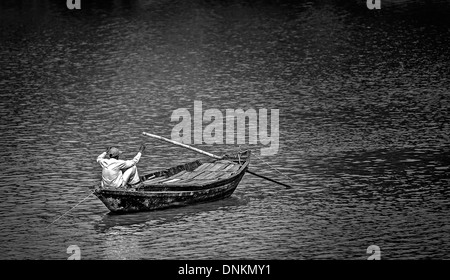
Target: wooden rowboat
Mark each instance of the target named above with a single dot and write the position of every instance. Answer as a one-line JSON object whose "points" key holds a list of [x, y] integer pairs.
{"points": [[194, 182]]}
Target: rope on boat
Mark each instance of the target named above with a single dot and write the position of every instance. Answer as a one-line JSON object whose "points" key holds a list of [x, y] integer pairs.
{"points": [[275, 169], [70, 209]]}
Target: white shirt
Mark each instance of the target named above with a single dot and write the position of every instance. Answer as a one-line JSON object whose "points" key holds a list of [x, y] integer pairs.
{"points": [[112, 169]]}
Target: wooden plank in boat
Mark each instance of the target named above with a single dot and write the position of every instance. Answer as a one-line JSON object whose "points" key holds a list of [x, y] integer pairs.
{"points": [[196, 174], [191, 182], [180, 181], [213, 175], [225, 175], [171, 181], [163, 178], [203, 167], [199, 175], [207, 175], [217, 166], [155, 181], [180, 174], [230, 166], [226, 169], [185, 175], [234, 168]]}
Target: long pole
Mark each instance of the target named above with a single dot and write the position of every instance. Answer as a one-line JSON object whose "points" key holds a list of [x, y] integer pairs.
{"points": [[208, 154], [70, 210], [181, 145]]}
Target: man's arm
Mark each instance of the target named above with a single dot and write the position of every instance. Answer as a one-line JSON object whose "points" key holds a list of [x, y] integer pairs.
{"points": [[102, 155], [129, 163]]}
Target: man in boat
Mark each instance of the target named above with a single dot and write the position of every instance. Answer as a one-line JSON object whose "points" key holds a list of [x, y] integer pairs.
{"points": [[118, 173]]}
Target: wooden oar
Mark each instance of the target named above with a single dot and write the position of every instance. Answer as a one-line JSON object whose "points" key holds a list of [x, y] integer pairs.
{"points": [[268, 179], [208, 154], [181, 145]]}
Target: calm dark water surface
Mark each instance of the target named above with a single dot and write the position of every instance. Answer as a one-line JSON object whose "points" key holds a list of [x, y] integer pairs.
{"points": [[364, 125]]}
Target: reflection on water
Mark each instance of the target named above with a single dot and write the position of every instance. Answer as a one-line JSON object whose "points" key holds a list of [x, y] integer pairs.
{"points": [[364, 125], [111, 220]]}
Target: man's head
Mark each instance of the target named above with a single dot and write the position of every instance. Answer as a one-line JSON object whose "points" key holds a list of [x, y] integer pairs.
{"points": [[114, 153]]}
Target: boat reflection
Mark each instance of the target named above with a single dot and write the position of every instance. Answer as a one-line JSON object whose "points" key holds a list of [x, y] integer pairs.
{"points": [[158, 217]]}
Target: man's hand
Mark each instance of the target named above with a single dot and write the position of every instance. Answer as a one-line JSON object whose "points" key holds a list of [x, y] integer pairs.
{"points": [[141, 148], [107, 150]]}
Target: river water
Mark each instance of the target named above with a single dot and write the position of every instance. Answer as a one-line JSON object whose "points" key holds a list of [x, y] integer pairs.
{"points": [[364, 124]]}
